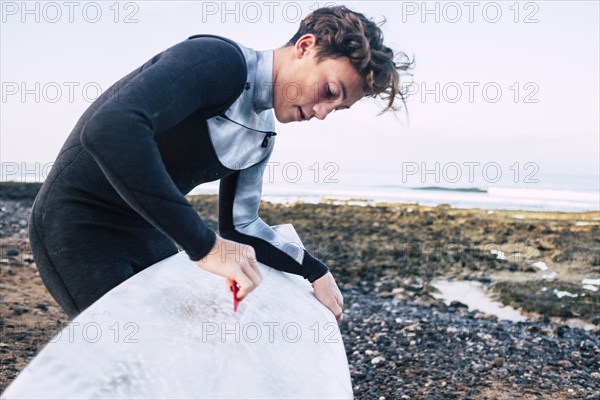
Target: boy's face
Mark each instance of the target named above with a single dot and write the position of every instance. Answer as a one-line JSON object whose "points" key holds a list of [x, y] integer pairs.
{"points": [[307, 89]]}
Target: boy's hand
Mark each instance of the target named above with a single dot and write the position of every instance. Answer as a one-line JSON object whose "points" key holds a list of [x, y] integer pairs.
{"points": [[233, 261], [328, 293]]}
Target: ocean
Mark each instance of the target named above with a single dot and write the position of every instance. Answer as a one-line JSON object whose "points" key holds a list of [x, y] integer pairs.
{"points": [[542, 193], [549, 193]]}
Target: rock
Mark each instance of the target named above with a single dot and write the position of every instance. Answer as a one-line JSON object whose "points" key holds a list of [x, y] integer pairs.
{"points": [[544, 245], [377, 360], [12, 252], [20, 311], [566, 364], [561, 330], [498, 362], [489, 317], [533, 329], [528, 268], [414, 287], [377, 336], [458, 304]]}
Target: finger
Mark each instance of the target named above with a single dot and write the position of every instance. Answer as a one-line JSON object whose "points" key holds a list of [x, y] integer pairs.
{"points": [[253, 263], [229, 283], [256, 268], [337, 311], [252, 274], [251, 266], [339, 299], [246, 285]]}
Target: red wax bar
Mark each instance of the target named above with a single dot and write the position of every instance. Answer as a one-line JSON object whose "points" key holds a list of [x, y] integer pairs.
{"points": [[235, 288]]}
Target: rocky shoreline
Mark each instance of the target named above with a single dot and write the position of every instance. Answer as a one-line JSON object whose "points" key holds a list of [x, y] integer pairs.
{"points": [[400, 349], [400, 340]]}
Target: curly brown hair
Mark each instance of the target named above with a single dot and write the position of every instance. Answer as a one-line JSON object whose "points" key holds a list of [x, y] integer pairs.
{"points": [[341, 32]]}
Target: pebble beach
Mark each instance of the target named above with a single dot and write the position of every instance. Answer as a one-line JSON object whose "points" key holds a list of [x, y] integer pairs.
{"points": [[404, 336]]}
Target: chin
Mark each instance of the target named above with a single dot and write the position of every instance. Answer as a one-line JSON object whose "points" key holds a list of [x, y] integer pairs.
{"points": [[285, 118]]}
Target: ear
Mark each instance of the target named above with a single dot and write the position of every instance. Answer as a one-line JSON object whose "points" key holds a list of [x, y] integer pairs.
{"points": [[305, 44]]}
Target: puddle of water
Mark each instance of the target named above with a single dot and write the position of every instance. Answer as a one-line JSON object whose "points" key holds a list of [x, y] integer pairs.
{"points": [[549, 276], [562, 293], [540, 265], [499, 254], [591, 284], [472, 294], [595, 282], [575, 323]]}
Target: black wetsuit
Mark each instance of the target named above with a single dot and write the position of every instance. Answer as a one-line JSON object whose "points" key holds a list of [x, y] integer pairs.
{"points": [[114, 202]]}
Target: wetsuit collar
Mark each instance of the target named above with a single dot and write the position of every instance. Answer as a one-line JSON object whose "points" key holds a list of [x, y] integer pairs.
{"points": [[263, 83]]}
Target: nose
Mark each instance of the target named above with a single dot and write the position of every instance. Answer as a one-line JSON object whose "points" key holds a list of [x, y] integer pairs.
{"points": [[323, 109]]}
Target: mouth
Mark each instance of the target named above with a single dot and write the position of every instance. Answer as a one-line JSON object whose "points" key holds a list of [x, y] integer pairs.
{"points": [[300, 115]]}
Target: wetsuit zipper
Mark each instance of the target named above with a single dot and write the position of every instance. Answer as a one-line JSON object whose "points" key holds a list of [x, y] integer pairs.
{"points": [[268, 134]]}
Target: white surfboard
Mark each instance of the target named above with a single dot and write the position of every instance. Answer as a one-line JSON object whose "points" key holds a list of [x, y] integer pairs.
{"points": [[171, 332]]}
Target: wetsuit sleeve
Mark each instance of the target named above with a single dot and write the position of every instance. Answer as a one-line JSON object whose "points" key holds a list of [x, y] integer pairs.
{"points": [[198, 74], [239, 201]]}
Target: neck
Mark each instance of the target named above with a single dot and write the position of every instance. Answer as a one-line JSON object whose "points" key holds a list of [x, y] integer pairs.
{"points": [[281, 57]]}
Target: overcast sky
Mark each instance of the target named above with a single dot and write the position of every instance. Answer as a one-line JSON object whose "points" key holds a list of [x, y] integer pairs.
{"points": [[499, 82]]}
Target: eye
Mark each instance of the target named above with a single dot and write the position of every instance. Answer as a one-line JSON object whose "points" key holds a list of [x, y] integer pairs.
{"points": [[341, 108], [329, 92]]}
